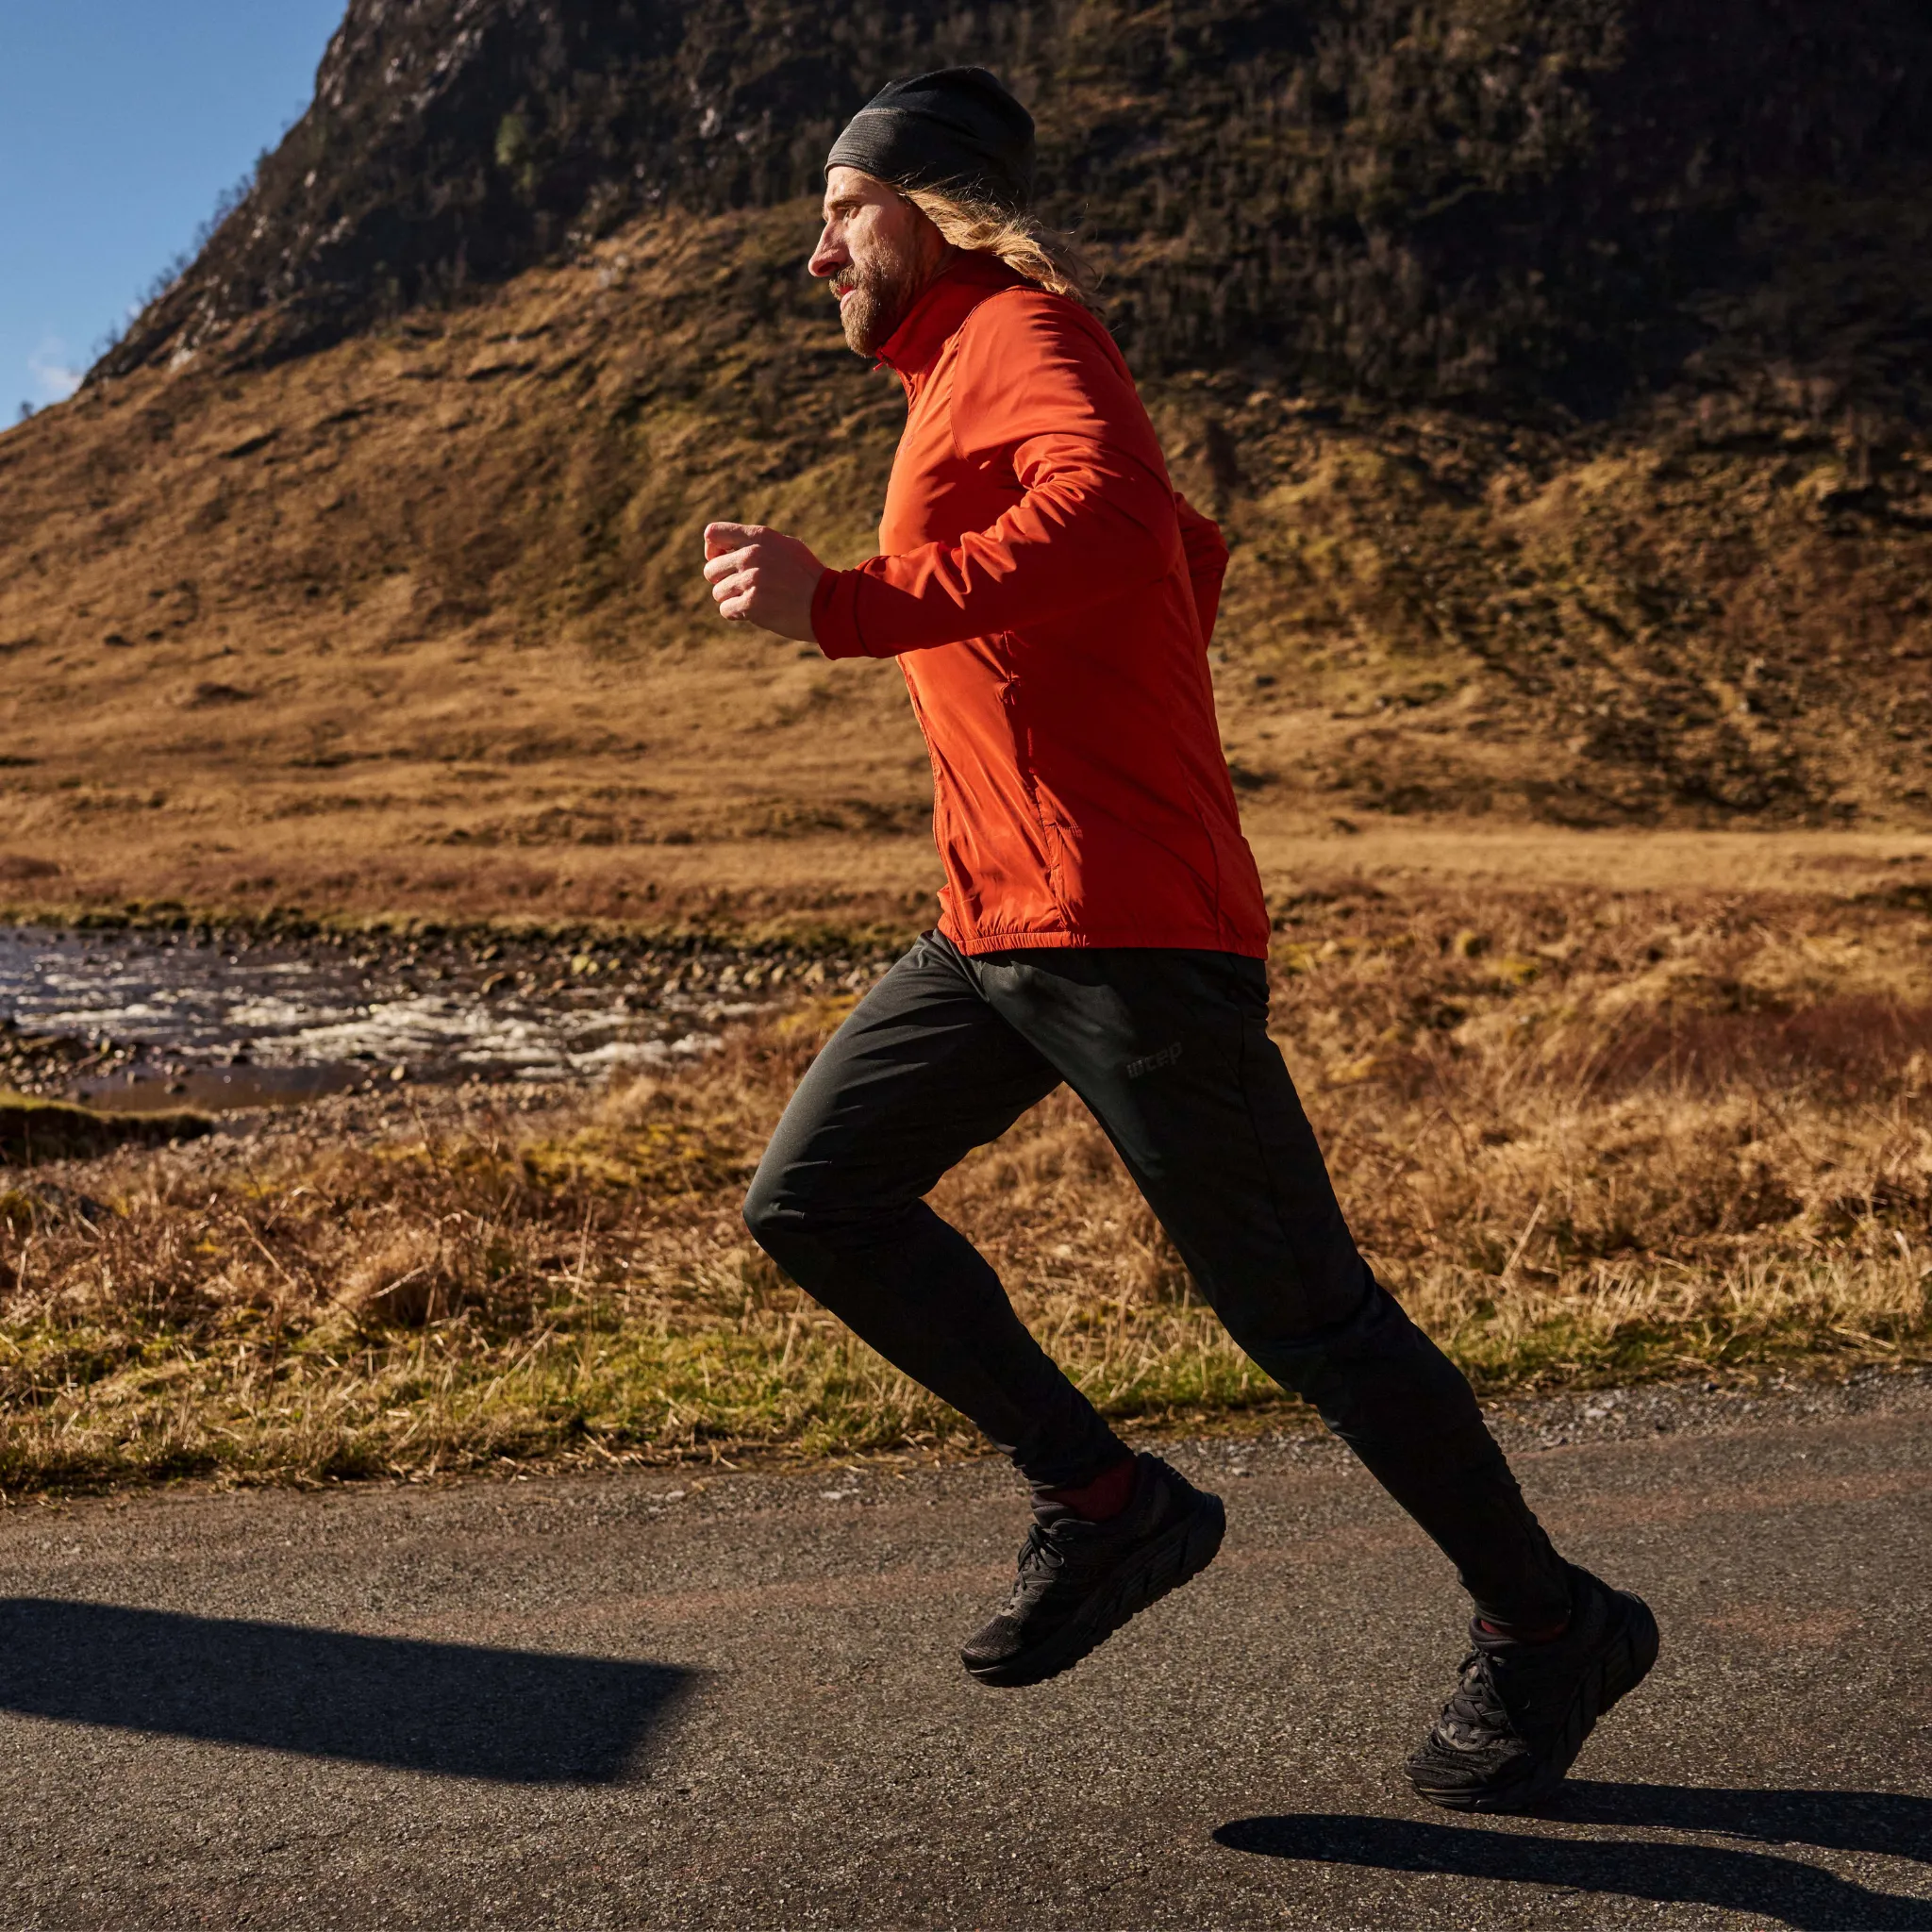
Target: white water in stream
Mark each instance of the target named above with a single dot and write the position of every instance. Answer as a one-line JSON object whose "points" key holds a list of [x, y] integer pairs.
{"points": [[307, 1019]]}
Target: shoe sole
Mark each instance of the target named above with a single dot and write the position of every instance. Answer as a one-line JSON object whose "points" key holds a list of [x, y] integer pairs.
{"points": [[1175, 1557], [1624, 1663]]}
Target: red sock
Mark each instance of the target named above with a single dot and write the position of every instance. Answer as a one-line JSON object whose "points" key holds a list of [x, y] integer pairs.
{"points": [[1107, 1495], [1544, 1635]]}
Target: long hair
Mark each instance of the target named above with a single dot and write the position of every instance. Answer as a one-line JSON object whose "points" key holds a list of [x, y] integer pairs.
{"points": [[1028, 247]]}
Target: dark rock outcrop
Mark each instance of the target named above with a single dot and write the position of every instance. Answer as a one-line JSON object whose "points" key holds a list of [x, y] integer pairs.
{"points": [[1494, 201]]}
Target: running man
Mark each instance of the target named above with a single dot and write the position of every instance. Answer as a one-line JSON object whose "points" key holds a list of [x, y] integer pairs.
{"points": [[1050, 598]]}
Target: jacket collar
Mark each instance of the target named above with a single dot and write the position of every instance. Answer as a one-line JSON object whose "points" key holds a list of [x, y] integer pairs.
{"points": [[934, 320]]}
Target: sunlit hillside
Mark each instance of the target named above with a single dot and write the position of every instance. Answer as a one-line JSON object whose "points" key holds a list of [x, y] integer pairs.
{"points": [[1575, 469]]}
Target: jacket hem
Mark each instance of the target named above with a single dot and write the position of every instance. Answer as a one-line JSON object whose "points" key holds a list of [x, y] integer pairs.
{"points": [[1189, 938]]}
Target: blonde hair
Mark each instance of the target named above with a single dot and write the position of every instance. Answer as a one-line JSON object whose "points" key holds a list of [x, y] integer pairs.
{"points": [[1026, 246]]}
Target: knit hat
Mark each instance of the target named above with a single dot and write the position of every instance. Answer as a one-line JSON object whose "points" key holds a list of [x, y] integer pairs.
{"points": [[956, 128]]}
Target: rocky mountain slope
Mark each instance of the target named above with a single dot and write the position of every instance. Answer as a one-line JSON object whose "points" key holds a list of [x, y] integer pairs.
{"points": [[1556, 369], [1472, 198]]}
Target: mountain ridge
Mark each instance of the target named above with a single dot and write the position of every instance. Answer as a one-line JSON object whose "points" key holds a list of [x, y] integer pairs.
{"points": [[1484, 200]]}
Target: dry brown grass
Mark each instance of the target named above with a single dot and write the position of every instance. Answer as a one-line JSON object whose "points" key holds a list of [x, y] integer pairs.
{"points": [[411, 628], [1588, 1137]]}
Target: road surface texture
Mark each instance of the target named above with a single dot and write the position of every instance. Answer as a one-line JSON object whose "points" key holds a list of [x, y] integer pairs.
{"points": [[636, 1701]]}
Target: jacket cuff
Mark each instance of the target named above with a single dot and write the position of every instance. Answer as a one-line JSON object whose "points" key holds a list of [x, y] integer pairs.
{"points": [[835, 614]]}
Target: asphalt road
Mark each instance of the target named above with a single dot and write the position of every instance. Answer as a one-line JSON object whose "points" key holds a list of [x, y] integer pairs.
{"points": [[589, 1702]]}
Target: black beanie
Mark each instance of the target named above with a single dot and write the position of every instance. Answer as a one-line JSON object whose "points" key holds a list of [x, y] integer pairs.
{"points": [[958, 129]]}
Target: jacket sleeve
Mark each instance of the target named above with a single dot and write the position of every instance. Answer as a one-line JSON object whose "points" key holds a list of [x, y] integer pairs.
{"points": [[1207, 554], [1038, 392]]}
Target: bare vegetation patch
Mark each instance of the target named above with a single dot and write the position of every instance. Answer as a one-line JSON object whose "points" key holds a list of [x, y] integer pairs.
{"points": [[1587, 1138], [35, 1129]]}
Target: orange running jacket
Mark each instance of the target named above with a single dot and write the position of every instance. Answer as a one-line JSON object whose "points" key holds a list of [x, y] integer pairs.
{"points": [[1050, 596]]}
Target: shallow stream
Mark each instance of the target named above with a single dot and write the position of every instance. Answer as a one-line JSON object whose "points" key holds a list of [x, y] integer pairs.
{"points": [[150, 1020]]}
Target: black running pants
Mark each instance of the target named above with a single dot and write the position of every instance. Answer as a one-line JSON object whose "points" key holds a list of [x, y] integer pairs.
{"points": [[1171, 1052]]}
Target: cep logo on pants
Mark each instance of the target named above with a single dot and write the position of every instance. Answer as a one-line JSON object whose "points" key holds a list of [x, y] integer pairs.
{"points": [[1151, 1062]]}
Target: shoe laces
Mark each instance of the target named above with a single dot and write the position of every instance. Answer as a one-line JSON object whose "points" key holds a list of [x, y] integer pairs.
{"points": [[1040, 1550], [1039, 1563], [1475, 1709], [1044, 1557]]}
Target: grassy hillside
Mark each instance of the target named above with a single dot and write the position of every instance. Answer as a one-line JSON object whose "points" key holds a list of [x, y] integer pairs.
{"points": [[416, 619], [1556, 373]]}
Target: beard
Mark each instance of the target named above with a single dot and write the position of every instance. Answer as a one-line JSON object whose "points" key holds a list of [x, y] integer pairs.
{"points": [[882, 290]]}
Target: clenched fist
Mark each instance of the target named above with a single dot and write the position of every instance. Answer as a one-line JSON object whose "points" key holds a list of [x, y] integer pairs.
{"points": [[763, 578]]}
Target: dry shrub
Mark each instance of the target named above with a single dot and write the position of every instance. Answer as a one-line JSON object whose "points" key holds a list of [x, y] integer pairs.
{"points": [[409, 1281], [1853, 1046]]}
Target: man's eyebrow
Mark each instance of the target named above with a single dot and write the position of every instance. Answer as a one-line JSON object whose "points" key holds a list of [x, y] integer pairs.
{"points": [[843, 204]]}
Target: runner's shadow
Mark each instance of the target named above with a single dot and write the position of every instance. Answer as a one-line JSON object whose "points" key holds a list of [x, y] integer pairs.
{"points": [[1783, 1891], [517, 1716], [1895, 1823]]}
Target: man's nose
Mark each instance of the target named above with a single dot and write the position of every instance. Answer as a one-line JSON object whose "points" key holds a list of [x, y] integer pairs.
{"points": [[828, 257]]}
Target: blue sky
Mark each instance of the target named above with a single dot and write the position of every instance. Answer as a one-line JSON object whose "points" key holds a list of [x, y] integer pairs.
{"points": [[120, 122]]}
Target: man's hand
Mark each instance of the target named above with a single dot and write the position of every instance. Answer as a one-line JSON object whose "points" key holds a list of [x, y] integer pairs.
{"points": [[763, 578]]}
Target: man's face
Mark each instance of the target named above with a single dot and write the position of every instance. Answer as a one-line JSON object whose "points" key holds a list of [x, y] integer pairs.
{"points": [[879, 252]]}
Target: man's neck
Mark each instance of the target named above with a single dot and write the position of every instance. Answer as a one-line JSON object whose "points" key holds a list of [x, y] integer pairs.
{"points": [[933, 272], [906, 349]]}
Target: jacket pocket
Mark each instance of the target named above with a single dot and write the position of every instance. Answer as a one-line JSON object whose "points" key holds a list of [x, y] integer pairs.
{"points": [[1051, 836]]}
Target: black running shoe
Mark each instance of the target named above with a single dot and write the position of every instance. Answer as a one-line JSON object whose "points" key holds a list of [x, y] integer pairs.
{"points": [[1521, 1711], [1080, 1582]]}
